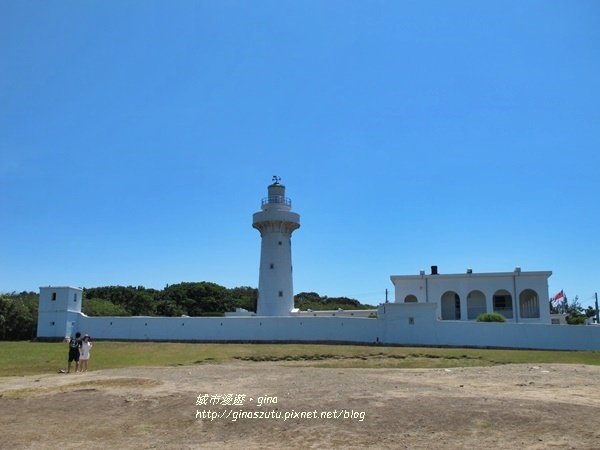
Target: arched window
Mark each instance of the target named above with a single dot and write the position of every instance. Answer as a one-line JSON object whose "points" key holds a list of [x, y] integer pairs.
{"points": [[529, 305], [450, 306], [503, 303], [410, 299], [475, 304]]}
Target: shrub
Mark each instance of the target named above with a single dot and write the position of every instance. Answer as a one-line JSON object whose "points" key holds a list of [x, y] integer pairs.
{"points": [[576, 319], [491, 317]]}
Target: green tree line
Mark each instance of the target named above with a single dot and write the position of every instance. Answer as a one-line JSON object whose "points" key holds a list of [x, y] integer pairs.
{"points": [[190, 299], [312, 300], [19, 311], [18, 315], [193, 299]]}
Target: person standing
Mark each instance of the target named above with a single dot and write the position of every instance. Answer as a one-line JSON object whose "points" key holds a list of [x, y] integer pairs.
{"points": [[84, 351], [74, 346]]}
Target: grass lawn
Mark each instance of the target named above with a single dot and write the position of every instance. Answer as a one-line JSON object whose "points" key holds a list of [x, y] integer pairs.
{"points": [[30, 358]]}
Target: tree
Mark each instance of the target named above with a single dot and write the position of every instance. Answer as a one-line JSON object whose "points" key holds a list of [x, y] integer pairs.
{"points": [[18, 315], [590, 312], [312, 300], [244, 297], [101, 307], [574, 311], [137, 301], [196, 299]]}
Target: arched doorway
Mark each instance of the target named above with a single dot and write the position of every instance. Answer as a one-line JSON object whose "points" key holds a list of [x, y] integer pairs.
{"points": [[475, 304], [410, 299], [450, 306], [503, 303], [529, 304]]}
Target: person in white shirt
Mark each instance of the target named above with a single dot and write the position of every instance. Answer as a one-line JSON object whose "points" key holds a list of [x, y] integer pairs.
{"points": [[84, 356]]}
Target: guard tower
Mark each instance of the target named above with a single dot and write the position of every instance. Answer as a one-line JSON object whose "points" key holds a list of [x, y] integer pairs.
{"points": [[276, 223], [59, 311]]}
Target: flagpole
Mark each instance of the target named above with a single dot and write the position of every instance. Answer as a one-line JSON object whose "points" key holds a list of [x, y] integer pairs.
{"points": [[597, 312]]}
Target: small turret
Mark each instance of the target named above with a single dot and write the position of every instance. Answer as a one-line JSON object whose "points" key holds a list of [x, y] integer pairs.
{"points": [[59, 311], [276, 197]]}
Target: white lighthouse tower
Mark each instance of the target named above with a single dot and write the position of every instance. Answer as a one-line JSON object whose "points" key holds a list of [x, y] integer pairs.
{"points": [[276, 223]]}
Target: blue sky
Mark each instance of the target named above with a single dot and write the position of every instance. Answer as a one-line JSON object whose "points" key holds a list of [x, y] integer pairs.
{"points": [[138, 138]]}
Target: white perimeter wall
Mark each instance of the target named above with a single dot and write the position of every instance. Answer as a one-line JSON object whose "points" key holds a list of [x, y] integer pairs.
{"points": [[416, 324], [397, 323], [232, 328], [403, 324]]}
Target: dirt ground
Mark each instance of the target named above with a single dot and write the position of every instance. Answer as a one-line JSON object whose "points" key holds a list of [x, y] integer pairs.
{"points": [[203, 406]]}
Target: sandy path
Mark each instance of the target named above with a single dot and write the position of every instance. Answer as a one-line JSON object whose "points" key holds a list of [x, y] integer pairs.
{"points": [[512, 406]]}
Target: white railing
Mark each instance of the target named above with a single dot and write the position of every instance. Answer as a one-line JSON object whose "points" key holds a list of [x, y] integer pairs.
{"points": [[277, 199]]}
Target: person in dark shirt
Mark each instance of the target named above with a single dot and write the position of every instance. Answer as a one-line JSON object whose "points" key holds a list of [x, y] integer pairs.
{"points": [[74, 346]]}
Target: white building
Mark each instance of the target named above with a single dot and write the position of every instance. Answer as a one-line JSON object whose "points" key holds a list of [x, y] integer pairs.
{"points": [[519, 296]]}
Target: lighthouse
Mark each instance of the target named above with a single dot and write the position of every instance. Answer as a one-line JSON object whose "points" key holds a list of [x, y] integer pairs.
{"points": [[276, 223]]}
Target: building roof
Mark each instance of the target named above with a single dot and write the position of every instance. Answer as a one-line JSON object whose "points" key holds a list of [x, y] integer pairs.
{"points": [[545, 273], [61, 287]]}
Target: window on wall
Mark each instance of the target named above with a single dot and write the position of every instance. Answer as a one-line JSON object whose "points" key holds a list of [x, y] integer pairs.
{"points": [[450, 306], [476, 304], [74, 297], [281, 293], [529, 305], [503, 303], [271, 266], [53, 296], [410, 299]]}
